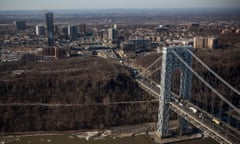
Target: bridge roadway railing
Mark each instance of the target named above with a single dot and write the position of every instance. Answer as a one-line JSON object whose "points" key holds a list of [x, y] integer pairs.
{"points": [[216, 133], [147, 88], [227, 127]]}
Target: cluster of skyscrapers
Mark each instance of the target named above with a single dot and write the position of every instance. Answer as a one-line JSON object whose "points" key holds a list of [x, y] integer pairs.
{"points": [[64, 30], [40, 29]]}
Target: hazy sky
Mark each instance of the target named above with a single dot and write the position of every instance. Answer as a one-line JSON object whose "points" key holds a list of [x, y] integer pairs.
{"points": [[104, 4]]}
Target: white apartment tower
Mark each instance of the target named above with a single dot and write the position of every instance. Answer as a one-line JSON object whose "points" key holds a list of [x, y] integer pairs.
{"points": [[40, 30]]}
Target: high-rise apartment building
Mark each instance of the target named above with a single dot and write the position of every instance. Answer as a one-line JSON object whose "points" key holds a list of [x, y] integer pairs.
{"points": [[50, 28], [112, 33], [82, 28], [64, 31], [20, 25], [72, 30], [40, 30], [212, 42], [205, 42], [200, 42]]}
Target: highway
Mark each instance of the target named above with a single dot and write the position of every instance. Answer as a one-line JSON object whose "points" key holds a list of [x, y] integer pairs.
{"points": [[215, 131], [227, 127]]}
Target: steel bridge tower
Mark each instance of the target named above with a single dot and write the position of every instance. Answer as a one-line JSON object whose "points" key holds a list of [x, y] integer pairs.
{"points": [[171, 64]]}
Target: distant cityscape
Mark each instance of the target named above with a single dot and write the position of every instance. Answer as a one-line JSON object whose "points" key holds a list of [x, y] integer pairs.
{"points": [[56, 37]]}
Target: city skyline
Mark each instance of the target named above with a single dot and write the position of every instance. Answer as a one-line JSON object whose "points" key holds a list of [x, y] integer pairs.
{"points": [[106, 4]]}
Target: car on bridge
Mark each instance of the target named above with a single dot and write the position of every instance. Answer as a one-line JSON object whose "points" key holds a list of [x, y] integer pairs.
{"points": [[215, 121]]}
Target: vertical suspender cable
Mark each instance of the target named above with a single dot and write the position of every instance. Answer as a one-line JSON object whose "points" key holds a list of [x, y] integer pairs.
{"points": [[215, 74], [206, 83]]}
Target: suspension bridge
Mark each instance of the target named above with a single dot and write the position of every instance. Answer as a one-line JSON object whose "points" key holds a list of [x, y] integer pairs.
{"points": [[181, 58], [173, 59]]}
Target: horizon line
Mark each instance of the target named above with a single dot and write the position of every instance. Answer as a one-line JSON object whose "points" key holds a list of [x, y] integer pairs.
{"points": [[163, 8]]}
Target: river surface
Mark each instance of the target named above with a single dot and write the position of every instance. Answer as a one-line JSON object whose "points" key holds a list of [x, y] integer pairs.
{"points": [[83, 139]]}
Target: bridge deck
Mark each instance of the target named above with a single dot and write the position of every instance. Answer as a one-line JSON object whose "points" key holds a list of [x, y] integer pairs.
{"points": [[215, 132]]}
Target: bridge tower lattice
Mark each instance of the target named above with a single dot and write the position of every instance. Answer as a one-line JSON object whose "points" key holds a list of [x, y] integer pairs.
{"points": [[171, 64]]}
